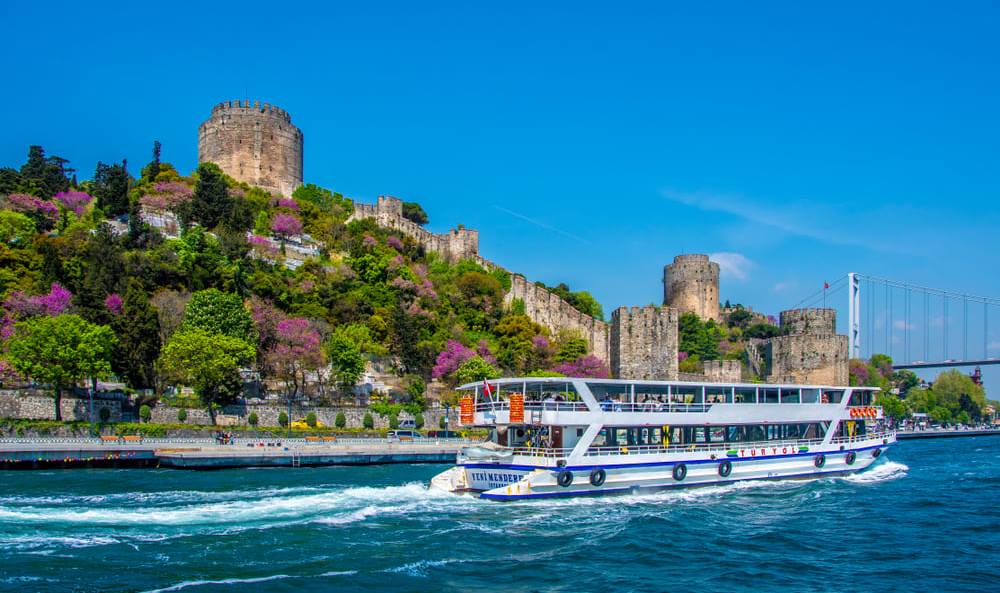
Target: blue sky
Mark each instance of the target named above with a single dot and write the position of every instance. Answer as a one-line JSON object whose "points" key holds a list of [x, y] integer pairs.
{"points": [[588, 143]]}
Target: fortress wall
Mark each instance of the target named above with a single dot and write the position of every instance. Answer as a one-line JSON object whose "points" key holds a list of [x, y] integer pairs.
{"points": [[809, 321], [549, 310], [644, 343], [807, 358]]}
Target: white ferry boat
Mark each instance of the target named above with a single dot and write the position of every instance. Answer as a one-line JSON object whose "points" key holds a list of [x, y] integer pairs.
{"points": [[553, 437]]}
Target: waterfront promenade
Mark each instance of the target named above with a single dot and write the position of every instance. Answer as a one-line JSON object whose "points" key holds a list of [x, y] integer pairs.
{"points": [[194, 453]]}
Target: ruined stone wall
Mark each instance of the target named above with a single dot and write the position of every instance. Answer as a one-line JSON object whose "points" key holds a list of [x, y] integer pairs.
{"points": [[811, 352], [255, 143], [38, 405], [267, 415], [723, 371], [547, 309], [454, 245], [691, 284], [803, 358], [643, 343]]}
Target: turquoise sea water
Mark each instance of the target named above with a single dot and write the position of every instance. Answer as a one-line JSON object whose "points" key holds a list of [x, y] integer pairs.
{"points": [[924, 518]]}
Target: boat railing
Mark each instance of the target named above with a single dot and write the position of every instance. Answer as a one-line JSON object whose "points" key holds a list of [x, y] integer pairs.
{"points": [[869, 436], [606, 406]]}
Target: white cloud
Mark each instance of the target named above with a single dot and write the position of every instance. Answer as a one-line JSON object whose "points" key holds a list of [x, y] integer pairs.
{"points": [[784, 286], [811, 219], [735, 266]]}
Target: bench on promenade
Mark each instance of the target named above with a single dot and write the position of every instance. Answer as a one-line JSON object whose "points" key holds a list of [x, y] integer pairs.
{"points": [[312, 439], [132, 438], [330, 439], [109, 439]]}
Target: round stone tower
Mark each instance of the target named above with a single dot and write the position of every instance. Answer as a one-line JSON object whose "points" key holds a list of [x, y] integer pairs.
{"points": [[253, 143], [691, 283]]}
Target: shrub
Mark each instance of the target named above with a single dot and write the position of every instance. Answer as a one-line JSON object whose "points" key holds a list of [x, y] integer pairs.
{"points": [[394, 420], [368, 422], [145, 413], [182, 415], [104, 414], [283, 419], [252, 419], [441, 423], [311, 419], [340, 421], [419, 420]]}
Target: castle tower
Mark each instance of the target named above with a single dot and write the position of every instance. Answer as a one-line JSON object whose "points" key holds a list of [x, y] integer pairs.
{"points": [[691, 284], [256, 144], [810, 351], [644, 343]]}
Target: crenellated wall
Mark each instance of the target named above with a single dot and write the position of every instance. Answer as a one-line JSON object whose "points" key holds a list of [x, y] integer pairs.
{"points": [[691, 284], [456, 244], [810, 352], [257, 144], [549, 310], [643, 343]]}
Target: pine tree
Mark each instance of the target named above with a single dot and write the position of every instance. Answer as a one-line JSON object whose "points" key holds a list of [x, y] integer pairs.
{"points": [[111, 185], [138, 329], [210, 203]]}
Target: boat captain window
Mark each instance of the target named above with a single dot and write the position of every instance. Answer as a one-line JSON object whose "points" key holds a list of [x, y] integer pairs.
{"points": [[745, 395]]}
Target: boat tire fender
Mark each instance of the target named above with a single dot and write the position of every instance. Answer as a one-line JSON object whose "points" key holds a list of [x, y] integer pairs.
{"points": [[680, 472], [597, 477], [564, 478], [850, 458], [876, 453], [819, 460], [725, 468]]}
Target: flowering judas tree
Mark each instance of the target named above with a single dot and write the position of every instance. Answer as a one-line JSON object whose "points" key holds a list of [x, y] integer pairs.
{"points": [[297, 351], [74, 201], [167, 195], [448, 361], [584, 366], [56, 302], [286, 225], [113, 303], [44, 213]]}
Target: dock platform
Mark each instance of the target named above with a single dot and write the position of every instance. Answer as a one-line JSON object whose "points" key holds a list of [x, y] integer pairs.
{"points": [[207, 454]]}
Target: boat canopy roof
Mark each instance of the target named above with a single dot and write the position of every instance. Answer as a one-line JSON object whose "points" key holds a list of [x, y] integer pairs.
{"points": [[592, 381]]}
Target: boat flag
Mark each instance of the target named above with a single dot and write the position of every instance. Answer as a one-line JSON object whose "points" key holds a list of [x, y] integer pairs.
{"points": [[486, 388], [826, 285]]}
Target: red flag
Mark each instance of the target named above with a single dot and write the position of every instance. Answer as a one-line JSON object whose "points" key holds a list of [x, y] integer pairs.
{"points": [[826, 285], [486, 388]]}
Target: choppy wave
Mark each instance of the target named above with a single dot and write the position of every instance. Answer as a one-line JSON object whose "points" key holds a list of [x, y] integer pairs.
{"points": [[236, 581]]}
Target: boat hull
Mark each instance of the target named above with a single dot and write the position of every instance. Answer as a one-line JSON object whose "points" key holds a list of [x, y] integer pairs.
{"points": [[496, 481]]}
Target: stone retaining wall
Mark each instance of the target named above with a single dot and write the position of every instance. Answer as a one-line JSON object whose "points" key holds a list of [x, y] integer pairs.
{"points": [[37, 404]]}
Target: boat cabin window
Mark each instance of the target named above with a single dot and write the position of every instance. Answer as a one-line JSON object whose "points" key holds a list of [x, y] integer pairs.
{"points": [[831, 396], [789, 396], [745, 395], [718, 395], [684, 394], [541, 391], [709, 435], [861, 398], [769, 395], [645, 394], [810, 396]]}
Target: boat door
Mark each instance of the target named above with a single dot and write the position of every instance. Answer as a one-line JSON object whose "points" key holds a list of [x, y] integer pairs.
{"points": [[557, 437]]}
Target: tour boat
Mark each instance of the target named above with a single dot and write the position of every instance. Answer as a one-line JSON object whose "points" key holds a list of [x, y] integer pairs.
{"points": [[556, 437]]}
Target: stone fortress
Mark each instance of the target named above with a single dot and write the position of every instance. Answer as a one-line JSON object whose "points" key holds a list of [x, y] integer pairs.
{"points": [[256, 144], [259, 145]]}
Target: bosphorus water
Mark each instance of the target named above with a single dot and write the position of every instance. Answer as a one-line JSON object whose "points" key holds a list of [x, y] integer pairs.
{"points": [[924, 518]]}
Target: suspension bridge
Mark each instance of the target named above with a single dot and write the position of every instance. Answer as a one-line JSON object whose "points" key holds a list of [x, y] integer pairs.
{"points": [[917, 326]]}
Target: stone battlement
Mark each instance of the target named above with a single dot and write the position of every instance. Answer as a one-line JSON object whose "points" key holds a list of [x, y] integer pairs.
{"points": [[691, 285], [455, 245], [266, 108], [643, 343], [809, 321]]}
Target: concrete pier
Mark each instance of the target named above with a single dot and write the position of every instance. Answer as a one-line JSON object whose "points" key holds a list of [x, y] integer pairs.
{"points": [[944, 434], [208, 454]]}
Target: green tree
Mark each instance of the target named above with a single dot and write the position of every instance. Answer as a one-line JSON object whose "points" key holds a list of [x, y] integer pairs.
{"points": [[150, 171], [110, 187], [138, 329], [340, 421], [413, 212], [219, 312], [282, 419], [16, 229], [182, 415], [43, 176], [60, 351], [252, 419], [145, 413], [211, 202], [516, 333], [570, 349], [892, 406], [419, 420], [475, 369], [208, 362], [442, 423], [394, 420], [368, 422], [311, 419], [698, 338], [346, 362]]}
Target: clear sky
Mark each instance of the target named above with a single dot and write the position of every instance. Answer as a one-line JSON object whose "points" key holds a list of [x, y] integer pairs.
{"points": [[589, 143]]}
